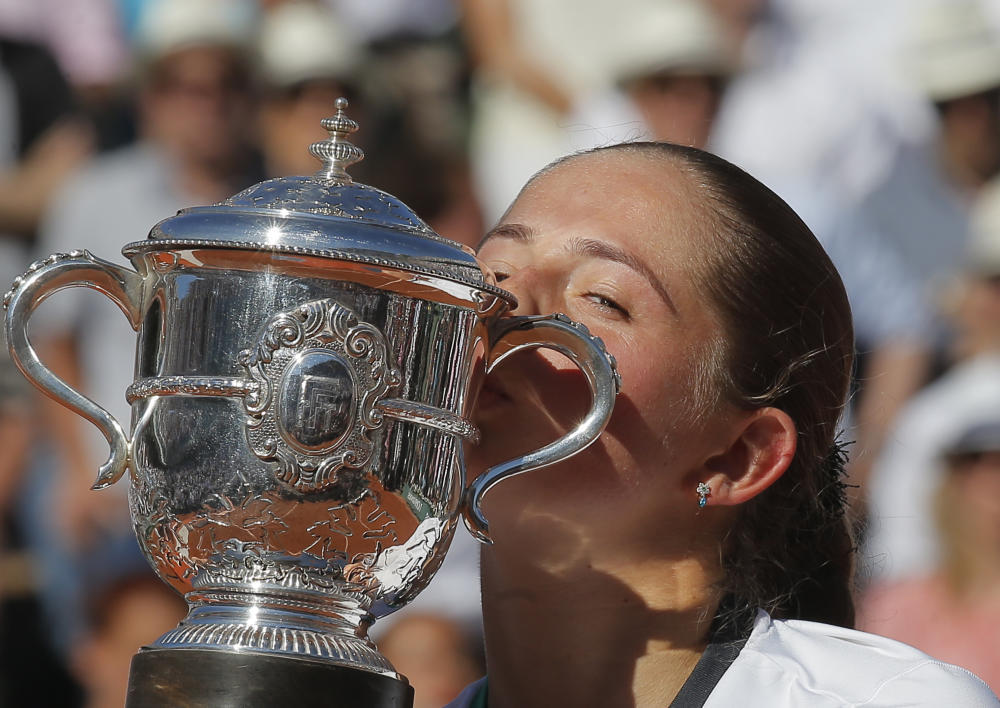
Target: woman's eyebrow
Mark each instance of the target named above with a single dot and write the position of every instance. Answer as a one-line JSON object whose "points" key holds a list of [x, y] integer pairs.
{"points": [[518, 232], [600, 249]]}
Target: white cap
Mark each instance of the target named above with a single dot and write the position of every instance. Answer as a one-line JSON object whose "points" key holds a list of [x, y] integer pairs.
{"points": [[982, 253], [979, 435], [300, 41], [169, 25], [956, 50], [676, 36]]}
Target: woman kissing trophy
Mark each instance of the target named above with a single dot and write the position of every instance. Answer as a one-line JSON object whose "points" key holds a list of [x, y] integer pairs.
{"points": [[308, 354]]}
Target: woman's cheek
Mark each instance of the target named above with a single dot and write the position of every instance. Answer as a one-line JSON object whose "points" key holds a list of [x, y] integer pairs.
{"points": [[656, 390]]}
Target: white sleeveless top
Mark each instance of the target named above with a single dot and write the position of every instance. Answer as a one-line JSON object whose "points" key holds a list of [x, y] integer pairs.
{"points": [[792, 663]]}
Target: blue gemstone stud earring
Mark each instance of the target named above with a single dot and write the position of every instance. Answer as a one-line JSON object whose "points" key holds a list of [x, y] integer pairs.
{"points": [[704, 492]]}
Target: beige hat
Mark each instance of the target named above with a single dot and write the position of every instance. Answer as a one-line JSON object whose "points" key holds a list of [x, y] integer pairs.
{"points": [[956, 51], [982, 254], [977, 436], [169, 25], [676, 36], [300, 41]]}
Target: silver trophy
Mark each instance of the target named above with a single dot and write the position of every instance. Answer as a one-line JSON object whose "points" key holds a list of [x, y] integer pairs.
{"points": [[308, 353]]}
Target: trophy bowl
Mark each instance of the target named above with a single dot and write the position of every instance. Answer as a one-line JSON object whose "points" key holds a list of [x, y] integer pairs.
{"points": [[308, 355]]}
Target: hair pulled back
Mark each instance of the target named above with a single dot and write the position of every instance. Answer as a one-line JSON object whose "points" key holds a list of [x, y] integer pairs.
{"points": [[787, 342]]}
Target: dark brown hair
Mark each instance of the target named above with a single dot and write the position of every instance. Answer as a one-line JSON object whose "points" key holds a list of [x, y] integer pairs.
{"points": [[789, 343]]}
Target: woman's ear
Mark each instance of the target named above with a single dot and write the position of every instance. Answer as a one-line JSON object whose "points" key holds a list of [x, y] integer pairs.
{"points": [[759, 454]]}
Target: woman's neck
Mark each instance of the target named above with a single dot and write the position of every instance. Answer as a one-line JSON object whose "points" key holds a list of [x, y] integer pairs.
{"points": [[592, 634]]}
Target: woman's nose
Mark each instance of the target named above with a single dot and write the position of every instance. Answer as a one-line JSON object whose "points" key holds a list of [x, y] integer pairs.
{"points": [[527, 285]]}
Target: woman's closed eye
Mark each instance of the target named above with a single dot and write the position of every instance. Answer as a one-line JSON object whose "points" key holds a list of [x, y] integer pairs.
{"points": [[499, 269], [608, 306]]}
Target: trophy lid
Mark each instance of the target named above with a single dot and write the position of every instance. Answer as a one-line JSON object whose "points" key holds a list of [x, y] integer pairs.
{"points": [[326, 214]]}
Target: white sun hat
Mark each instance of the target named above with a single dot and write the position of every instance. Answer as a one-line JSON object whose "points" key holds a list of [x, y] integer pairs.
{"points": [[979, 435], [302, 41], [956, 50], [677, 36], [166, 26]]}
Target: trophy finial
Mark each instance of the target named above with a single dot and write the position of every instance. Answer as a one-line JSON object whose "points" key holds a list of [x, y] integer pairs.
{"points": [[336, 153]]}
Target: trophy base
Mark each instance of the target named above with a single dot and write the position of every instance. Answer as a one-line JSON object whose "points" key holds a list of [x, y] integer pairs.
{"points": [[203, 678]]}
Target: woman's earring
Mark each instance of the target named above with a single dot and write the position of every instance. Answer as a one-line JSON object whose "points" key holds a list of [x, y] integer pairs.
{"points": [[704, 492]]}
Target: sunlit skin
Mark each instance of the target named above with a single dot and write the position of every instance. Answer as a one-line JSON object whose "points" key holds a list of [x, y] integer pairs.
{"points": [[598, 589]]}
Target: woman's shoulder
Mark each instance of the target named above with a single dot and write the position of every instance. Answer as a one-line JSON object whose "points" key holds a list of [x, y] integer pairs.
{"points": [[808, 663]]}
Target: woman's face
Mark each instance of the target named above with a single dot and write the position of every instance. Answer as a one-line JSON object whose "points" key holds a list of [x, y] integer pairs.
{"points": [[972, 498], [611, 240]]}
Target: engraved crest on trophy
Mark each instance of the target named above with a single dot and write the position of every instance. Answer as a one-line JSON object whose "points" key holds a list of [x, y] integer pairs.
{"points": [[319, 374]]}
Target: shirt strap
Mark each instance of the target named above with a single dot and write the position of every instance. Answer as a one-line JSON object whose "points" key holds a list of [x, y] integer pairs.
{"points": [[696, 689], [480, 697], [707, 673]]}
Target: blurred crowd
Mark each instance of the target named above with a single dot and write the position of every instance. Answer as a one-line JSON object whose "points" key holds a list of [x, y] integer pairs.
{"points": [[879, 122]]}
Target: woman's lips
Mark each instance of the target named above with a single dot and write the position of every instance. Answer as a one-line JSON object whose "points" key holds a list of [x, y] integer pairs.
{"points": [[491, 394]]}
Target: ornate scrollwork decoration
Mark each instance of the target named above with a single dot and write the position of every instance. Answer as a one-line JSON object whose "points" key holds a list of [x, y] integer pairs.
{"points": [[320, 373]]}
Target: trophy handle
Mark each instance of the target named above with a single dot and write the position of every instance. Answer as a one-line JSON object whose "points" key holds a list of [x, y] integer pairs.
{"points": [[572, 339], [70, 270]]}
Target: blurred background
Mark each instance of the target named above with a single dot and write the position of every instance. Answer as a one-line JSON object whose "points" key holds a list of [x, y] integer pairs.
{"points": [[878, 121]]}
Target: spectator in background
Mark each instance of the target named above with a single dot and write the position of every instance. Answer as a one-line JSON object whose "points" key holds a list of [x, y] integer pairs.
{"points": [[821, 95], [972, 301], [530, 70], [951, 611], [657, 74], [819, 114], [415, 60], [194, 108], [668, 68], [41, 142], [373, 23], [42, 137], [437, 656], [86, 37], [89, 39], [125, 613], [306, 60], [673, 67], [903, 541], [922, 207]]}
